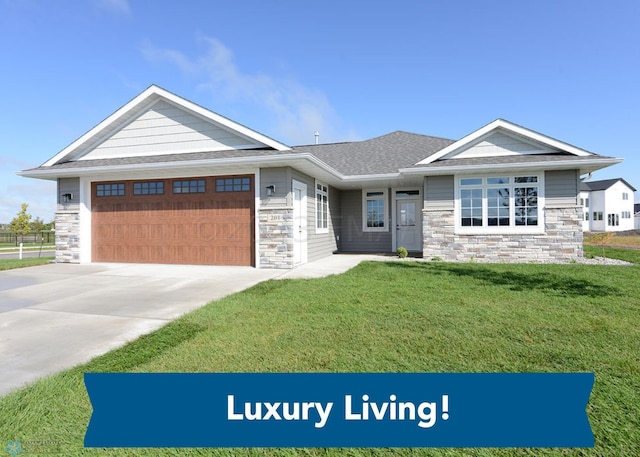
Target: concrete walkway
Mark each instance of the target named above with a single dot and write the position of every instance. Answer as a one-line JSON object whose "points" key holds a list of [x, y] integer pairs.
{"points": [[56, 316]]}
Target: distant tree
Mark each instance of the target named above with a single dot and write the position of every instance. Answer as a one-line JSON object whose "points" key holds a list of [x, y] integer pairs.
{"points": [[602, 239], [21, 224], [37, 225]]}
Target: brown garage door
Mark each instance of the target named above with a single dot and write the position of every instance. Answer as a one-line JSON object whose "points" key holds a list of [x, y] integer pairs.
{"points": [[204, 221]]}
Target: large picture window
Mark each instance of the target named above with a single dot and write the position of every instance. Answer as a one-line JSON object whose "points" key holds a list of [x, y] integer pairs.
{"points": [[499, 203], [375, 211]]}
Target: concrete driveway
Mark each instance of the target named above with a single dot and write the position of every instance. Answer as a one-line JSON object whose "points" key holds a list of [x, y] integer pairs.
{"points": [[56, 316]]}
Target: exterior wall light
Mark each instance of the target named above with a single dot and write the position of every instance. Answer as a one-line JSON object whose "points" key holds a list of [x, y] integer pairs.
{"points": [[271, 189]]}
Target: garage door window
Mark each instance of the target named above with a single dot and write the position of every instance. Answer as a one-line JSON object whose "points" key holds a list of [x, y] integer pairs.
{"points": [[233, 185], [192, 186], [148, 188], [110, 190]]}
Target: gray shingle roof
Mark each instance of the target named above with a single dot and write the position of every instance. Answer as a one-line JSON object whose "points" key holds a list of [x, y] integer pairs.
{"points": [[603, 184], [384, 154]]}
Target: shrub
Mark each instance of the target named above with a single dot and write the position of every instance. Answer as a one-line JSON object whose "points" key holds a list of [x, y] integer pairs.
{"points": [[402, 252]]}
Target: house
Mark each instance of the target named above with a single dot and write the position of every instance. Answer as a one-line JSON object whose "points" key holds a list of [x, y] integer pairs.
{"points": [[164, 180], [607, 205], [636, 212]]}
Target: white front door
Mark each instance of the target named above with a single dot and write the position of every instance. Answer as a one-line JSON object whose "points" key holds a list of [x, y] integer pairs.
{"points": [[409, 224], [299, 223]]}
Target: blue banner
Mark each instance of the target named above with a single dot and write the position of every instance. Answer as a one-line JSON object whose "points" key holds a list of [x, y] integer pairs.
{"points": [[339, 410]]}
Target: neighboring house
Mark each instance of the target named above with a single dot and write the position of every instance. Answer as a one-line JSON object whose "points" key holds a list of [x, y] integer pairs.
{"points": [[607, 205], [164, 180], [636, 211]]}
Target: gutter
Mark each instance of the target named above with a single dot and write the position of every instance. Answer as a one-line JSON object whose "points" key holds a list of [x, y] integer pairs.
{"points": [[501, 167]]}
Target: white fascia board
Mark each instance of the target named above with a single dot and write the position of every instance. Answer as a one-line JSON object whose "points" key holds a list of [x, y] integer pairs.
{"points": [[365, 178], [177, 167], [596, 164], [509, 127], [121, 112], [150, 96]]}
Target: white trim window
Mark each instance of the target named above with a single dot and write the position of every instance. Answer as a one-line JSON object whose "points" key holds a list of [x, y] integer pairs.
{"points": [[375, 210], [499, 204], [322, 208]]}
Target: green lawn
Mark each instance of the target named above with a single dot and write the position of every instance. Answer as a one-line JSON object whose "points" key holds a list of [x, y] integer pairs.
{"points": [[10, 264], [384, 317], [628, 255]]}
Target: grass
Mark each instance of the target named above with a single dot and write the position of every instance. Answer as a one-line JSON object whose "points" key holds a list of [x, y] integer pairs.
{"points": [[626, 240], [383, 317], [10, 264], [617, 245], [627, 255]]}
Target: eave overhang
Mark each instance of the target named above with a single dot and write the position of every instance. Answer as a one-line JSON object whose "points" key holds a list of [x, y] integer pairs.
{"points": [[306, 163], [583, 164]]}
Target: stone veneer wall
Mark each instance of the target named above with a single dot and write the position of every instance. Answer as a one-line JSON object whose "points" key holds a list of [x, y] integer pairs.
{"points": [[561, 242], [276, 238], [68, 236]]}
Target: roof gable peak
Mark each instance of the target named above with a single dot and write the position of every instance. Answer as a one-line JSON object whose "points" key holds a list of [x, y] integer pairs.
{"points": [[500, 138], [155, 109], [603, 184]]}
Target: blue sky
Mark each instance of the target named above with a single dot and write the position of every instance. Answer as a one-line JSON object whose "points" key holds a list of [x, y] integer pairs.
{"points": [[351, 70]]}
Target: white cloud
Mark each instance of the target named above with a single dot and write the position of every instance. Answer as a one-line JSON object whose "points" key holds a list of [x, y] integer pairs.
{"points": [[114, 6], [294, 111]]}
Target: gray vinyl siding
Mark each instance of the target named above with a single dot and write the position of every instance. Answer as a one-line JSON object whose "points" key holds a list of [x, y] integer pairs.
{"points": [[319, 245], [281, 179], [69, 186], [561, 188], [323, 244], [439, 193], [353, 238]]}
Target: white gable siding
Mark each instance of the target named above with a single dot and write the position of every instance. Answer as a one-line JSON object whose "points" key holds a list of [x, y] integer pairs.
{"points": [[587, 215], [616, 205], [597, 204], [168, 129], [501, 144]]}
